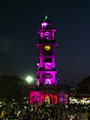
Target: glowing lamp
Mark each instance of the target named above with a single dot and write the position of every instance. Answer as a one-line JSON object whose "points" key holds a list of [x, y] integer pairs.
{"points": [[29, 79], [37, 45], [44, 24]]}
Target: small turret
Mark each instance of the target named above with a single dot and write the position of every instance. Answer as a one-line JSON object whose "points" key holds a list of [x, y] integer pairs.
{"points": [[46, 24]]}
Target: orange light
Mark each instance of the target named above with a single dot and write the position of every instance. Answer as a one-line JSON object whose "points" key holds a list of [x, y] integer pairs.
{"points": [[48, 97], [55, 96]]}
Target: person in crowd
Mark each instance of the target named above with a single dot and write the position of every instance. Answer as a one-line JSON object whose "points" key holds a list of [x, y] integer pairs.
{"points": [[66, 118], [76, 118], [75, 115], [70, 116], [32, 112], [61, 118], [88, 114], [79, 115]]}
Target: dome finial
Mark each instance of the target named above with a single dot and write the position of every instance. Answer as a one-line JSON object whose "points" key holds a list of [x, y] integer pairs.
{"points": [[45, 17]]}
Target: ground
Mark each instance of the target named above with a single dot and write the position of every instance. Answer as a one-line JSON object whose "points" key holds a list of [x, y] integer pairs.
{"points": [[84, 117]]}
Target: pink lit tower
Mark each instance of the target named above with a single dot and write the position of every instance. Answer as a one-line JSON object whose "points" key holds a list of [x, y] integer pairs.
{"points": [[46, 66]]}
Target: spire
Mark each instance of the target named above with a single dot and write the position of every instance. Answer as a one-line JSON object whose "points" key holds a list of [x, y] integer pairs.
{"points": [[46, 17], [46, 23]]}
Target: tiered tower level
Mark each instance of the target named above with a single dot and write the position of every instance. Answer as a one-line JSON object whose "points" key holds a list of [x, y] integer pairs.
{"points": [[46, 66]]}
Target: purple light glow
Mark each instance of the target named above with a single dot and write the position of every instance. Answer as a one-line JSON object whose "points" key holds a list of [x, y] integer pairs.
{"points": [[62, 98], [37, 45], [34, 97], [46, 67], [47, 81], [39, 96], [44, 24]]}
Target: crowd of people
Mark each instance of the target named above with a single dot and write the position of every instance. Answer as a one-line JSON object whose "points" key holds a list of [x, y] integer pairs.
{"points": [[33, 112]]}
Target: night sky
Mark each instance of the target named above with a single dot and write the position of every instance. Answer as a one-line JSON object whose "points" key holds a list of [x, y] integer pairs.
{"points": [[19, 24]]}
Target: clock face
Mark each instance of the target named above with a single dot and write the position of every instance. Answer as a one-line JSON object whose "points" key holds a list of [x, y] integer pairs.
{"points": [[47, 48]]}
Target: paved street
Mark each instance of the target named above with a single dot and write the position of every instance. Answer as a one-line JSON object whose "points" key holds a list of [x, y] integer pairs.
{"points": [[84, 117]]}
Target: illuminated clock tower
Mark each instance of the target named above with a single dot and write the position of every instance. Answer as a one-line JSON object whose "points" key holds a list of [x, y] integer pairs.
{"points": [[46, 66]]}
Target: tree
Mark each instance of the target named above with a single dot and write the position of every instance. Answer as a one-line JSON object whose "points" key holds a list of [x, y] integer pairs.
{"points": [[84, 86], [11, 87]]}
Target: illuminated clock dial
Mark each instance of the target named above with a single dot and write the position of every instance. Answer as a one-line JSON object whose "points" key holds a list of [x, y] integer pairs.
{"points": [[47, 48]]}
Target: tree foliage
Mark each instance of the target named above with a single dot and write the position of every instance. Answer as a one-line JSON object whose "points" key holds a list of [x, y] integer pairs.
{"points": [[11, 87]]}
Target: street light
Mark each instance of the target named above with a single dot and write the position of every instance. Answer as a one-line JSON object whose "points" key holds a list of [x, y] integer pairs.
{"points": [[29, 79]]}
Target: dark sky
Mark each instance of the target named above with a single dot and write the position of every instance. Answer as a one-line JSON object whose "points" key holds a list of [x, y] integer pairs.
{"points": [[19, 24]]}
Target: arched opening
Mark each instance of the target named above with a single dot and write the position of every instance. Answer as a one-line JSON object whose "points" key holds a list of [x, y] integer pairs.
{"points": [[49, 98], [47, 81], [47, 35]]}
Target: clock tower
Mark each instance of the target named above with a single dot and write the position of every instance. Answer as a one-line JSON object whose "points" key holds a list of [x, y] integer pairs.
{"points": [[46, 71], [46, 66]]}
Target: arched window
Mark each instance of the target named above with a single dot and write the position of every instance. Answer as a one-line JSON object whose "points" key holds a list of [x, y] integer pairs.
{"points": [[50, 96], [47, 81], [47, 35]]}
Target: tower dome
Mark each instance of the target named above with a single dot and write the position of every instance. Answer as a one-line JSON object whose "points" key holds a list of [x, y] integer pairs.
{"points": [[46, 24]]}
